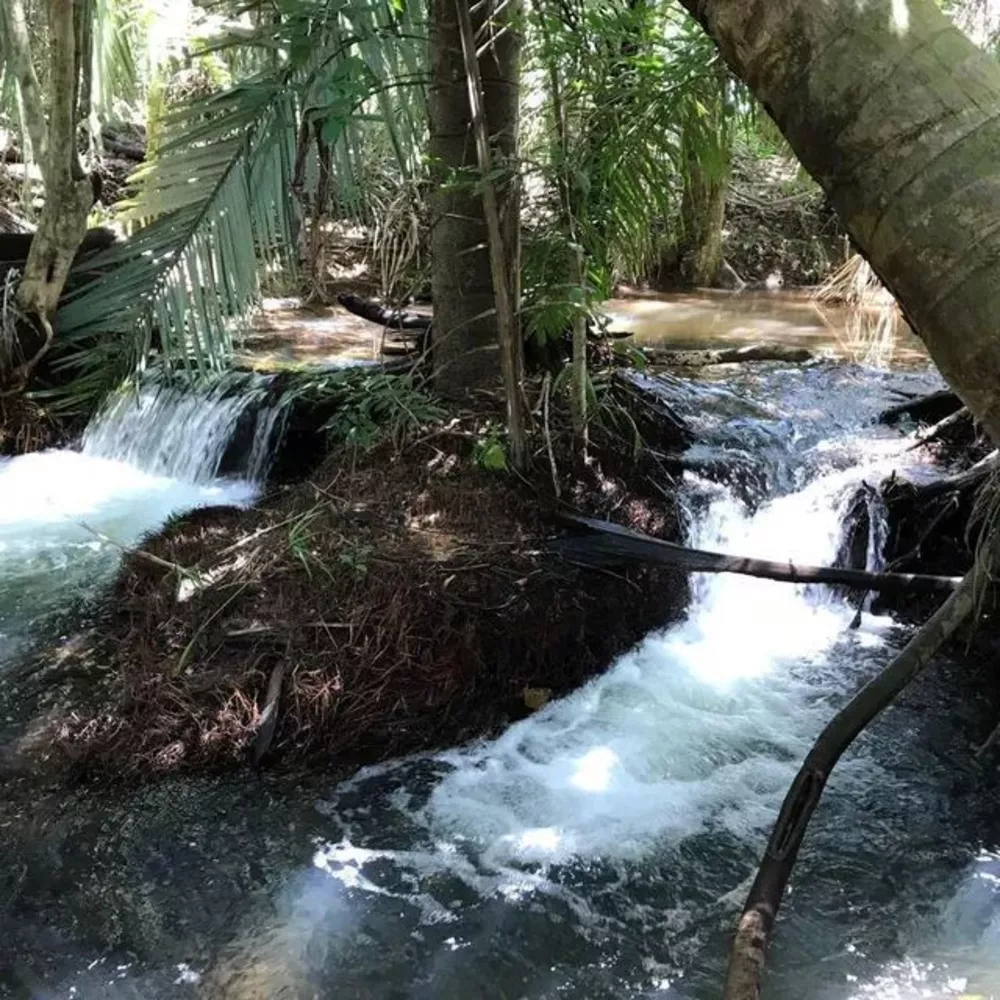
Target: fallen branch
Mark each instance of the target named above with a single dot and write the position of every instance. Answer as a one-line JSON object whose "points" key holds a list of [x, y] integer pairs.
{"points": [[729, 355], [756, 925], [394, 319], [606, 540], [933, 406], [972, 476], [942, 427], [269, 717], [122, 148]]}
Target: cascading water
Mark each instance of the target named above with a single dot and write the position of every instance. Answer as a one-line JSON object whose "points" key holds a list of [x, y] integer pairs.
{"points": [[601, 847], [150, 453]]}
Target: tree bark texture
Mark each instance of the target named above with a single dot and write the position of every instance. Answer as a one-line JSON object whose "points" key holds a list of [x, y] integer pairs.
{"points": [[897, 115], [69, 193], [466, 351]]}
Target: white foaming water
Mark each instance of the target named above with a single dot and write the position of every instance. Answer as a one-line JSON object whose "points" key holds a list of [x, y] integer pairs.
{"points": [[618, 810], [700, 727], [172, 431], [66, 516]]}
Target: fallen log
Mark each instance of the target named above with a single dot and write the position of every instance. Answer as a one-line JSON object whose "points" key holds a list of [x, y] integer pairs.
{"points": [[122, 148], [606, 542], [756, 926], [728, 355], [933, 406], [374, 312]]}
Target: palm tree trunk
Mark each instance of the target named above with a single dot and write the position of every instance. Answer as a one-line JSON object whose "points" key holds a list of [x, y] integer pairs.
{"points": [[895, 113], [466, 334], [703, 215]]}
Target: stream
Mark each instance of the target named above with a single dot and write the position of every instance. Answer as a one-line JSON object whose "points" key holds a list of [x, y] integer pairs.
{"points": [[600, 848]]}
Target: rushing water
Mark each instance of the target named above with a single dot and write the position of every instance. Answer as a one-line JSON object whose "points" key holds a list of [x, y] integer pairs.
{"points": [[66, 515], [599, 848]]}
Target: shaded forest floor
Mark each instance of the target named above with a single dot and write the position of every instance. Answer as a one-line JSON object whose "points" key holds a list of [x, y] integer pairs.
{"points": [[400, 599]]}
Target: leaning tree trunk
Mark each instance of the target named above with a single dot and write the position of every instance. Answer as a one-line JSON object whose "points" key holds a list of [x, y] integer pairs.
{"points": [[895, 113], [69, 193], [465, 322]]}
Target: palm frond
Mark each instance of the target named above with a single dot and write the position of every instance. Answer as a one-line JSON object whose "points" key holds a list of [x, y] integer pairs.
{"points": [[216, 201]]}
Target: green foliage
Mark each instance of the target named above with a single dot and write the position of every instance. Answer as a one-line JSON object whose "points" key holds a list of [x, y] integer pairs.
{"points": [[490, 452], [369, 407], [214, 204], [301, 541]]}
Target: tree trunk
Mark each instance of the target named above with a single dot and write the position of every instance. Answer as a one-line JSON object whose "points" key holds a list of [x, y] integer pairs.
{"points": [[893, 111], [69, 193], [466, 334], [703, 214]]}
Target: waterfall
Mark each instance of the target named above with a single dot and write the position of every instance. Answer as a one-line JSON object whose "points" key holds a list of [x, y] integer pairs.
{"points": [[152, 452], [184, 433]]}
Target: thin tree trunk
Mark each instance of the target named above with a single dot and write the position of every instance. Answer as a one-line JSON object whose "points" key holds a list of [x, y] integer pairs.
{"points": [[465, 319], [503, 265], [757, 922], [612, 542], [69, 193], [893, 111], [705, 148]]}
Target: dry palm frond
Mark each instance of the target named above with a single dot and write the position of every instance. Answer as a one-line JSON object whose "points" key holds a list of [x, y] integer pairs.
{"points": [[868, 332], [396, 241]]}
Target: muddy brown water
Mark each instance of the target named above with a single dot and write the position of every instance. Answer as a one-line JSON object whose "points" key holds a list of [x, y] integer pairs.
{"points": [[715, 319]]}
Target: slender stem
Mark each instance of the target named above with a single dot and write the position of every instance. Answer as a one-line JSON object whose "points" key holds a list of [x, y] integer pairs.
{"points": [[30, 91], [756, 925]]}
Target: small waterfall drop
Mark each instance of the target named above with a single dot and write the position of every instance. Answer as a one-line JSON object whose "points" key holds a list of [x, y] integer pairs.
{"points": [[153, 451], [183, 433]]}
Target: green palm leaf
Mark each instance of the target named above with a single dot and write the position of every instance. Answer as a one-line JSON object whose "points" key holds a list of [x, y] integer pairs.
{"points": [[216, 201]]}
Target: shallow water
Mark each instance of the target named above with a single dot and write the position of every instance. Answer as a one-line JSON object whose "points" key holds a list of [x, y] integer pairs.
{"points": [[598, 849], [710, 319]]}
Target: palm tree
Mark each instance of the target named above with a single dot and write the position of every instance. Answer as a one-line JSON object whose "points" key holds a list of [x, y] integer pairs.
{"points": [[465, 317]]}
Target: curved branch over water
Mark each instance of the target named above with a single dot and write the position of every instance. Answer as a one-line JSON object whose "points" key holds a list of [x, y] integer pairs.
{"points": [[756, 926]]}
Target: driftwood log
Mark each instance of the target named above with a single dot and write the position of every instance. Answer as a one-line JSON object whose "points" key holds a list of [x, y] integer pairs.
{"points": [[603, 542], [753, 352], [374, 312], [121, 147]]}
